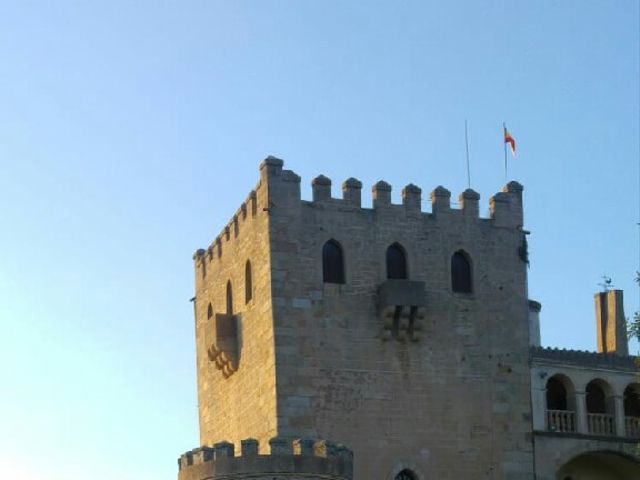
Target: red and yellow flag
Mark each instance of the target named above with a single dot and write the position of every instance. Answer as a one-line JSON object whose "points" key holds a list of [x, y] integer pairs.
{"points": [[510, 140]]}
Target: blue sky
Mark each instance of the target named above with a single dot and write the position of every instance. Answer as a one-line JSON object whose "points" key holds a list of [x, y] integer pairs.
{"points": [[131, 131]]}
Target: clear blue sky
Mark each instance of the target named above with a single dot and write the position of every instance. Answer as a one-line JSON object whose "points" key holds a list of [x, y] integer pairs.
{"points": [[131, 131]]}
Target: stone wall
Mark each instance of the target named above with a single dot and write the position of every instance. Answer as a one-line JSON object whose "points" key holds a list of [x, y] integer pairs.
{"points": [[451, 402], [306, 459], [236, 396]]}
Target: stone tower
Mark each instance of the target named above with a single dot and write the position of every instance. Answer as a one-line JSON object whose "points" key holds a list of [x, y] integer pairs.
{"points": [[400, 333]]}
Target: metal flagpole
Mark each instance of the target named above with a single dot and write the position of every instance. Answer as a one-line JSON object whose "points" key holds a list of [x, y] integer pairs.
{"points": [[504, 134], [466, 143]]}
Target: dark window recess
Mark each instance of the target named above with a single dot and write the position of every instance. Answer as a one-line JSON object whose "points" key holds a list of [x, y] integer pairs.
{"points": [[209, 311], [396, 262], [460, 272], [556, 395], [248, 283], [406, 474], [631, 402], [332, 263], [229, 299], [596, 401]]}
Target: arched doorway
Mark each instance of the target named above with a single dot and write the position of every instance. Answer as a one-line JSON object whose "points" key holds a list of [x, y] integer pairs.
{"points": [[406, 474], [600, 408], [561, 406], [600, 466], [632, 410]]}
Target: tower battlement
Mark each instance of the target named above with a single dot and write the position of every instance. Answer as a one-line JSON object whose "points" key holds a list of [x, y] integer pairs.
{"points": [[285, 187], [245, 213], [305, 458], [281, 189]]}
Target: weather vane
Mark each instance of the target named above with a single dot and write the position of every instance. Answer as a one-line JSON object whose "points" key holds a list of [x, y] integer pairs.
{"points": [[606, 283]]}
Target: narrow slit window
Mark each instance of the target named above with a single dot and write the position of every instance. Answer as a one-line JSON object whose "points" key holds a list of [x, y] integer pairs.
{"points": [[461, 272], [332, 263], [229, 299], [396, 262], [209, 311], [248, 283]]}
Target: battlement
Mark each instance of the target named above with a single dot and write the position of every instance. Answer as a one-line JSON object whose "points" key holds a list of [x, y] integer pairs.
{"points": [[247, 211], [278, 192], [304, 458], [284, 186], [584, 358]]}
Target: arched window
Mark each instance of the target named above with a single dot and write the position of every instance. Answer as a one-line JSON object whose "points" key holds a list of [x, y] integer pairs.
{"points": [[229, 299], [332, 263], [396, 262], [632, 401], [600, 408], [556, 395], [209, 311], [561, 404], [461, 272], [248, 283], [596, 397], [406, 474]]}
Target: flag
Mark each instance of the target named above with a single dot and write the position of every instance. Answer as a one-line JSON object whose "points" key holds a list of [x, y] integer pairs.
{"points": [[510, 140]]}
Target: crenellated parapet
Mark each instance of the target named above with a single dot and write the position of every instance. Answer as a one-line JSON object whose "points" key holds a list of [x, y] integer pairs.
{"points": [[278, 193], [584, 358], [301, 458], [284, 191]]}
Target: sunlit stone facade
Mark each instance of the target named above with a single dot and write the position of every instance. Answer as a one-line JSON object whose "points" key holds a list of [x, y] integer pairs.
{"points": [[403, 335]]}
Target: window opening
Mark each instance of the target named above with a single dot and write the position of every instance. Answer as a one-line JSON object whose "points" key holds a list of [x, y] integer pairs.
{"points": [[596, 399], [396, 262], [332, 263], [229, 299], [556, 395], [406, 474], [631, 402], [460, 272], [248, 283]]}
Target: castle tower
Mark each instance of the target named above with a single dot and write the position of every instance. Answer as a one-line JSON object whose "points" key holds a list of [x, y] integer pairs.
{"points": [[400, 333]]}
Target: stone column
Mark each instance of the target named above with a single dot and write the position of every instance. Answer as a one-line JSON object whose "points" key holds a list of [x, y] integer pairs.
{"points": [[539, 406], [534, 323], [581, 413], [618, 411]]}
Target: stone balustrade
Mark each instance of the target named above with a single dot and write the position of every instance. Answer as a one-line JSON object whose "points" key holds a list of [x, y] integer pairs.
{"points": [[561, 421], [632, 427], [600, 424]]}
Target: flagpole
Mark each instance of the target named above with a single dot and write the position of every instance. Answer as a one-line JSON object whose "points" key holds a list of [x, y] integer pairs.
{"points": [[504, 130], [466, 143]]}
